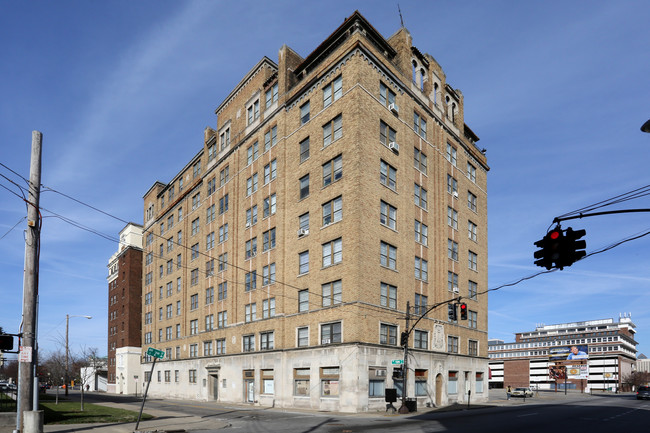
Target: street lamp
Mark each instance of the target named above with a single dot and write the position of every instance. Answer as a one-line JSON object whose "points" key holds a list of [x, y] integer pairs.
{"points": [[646, 126], [67, 352]]}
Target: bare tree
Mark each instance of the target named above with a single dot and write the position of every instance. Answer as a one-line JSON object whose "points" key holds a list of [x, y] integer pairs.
{"points": [[636, 379], [87, 366]]}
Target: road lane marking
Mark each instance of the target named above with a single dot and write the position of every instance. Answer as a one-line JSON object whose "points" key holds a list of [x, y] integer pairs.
{"points": [[527, 414]]}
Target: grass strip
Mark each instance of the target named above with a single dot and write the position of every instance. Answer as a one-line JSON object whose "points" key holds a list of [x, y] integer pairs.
{"points": [[67, 412]]}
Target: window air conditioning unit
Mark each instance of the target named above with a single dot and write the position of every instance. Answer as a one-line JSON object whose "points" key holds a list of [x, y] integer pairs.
{"points": [[393, 146], [302, 232], [393, 108], [248, 225], [380, 373], [455, 194], [455, 289], [326, 341]]}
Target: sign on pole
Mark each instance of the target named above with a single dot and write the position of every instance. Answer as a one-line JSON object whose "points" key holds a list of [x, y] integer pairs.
{"points": [[155, 353], [397, 361]]}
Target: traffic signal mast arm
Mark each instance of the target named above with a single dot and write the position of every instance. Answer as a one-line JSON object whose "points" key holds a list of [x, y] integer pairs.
{"points": [[433, 307], [611, 212]]}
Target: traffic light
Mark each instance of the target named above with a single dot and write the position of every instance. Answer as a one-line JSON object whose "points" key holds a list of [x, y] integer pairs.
{"points": [[6, 343], [398, 373], [573, 248], [451, 312], [463, 311], [404, 340], [551, 249]]}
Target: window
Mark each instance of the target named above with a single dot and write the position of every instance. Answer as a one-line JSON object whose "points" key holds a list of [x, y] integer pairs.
{"points": [[304, 186], [388, 255], [471, 230], [386, 133], [268, 308], [224, 175], [170, 266], [223, 233], [147, 318], [221, 346], [249, 343], [452, 154], [303, 262], [223, 204], [329, 379], [421, 269], [252, 153], [250, 281], [304, 150], [471, 172], [269, 205], [472, 319], [149, 259], [194, 301], [332, 252], [195, 251], [209, 241], [266, 341], [452, 185], [147, 337], [195, 226], [420, 339], [376, 383], [472, 259], [192, 376], [251, 184], [196, 169], [271, 138], [212, 151], [472, 289], [472, 350], [212, 187], [194, 277], [452, 344], [268, 274], [330, 333], [388, 295], [332, 293], [332, 170], [420, 304], [207, 348], [333, 130], [196, 200], [268, 239], [222, 319], [170, 222], [386, 96], [419, 160], [272, 95], [169, 313], [303, 337], [421, 233], [178, 332], [304, 113], [388, 175], [210, 213], [224, 139], [194, 327], [253, 111], [332, 91], [270, 171], [303, 300], [420, 125], [452, 281], [471, 201], [420, 196], [388, 215], [209, 295], [179, 237], [303, 222], [209, 322], [452, 218], [388, 334], [452, 249], [251, 216], [251, 248], [222, 291], [301, 381], [250, 312], [421, 383], [148, 298], [333, 211]]}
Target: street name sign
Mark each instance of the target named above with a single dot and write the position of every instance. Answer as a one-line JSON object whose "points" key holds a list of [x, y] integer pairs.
{"points": [[155, 353], [397, 361]]}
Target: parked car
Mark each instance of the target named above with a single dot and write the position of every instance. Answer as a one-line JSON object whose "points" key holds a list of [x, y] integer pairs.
{"points": [[521, 392], [643, 392]]}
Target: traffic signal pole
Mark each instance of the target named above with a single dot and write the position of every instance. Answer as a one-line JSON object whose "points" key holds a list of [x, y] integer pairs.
{"points": [[403, 408]]}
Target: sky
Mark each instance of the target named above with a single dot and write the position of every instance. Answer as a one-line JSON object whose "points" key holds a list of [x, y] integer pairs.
{"points": [[556, 91]]}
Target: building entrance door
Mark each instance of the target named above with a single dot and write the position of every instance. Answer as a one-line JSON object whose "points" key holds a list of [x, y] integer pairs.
{"points": [[439, 390], [249, 391], [214, 378]]}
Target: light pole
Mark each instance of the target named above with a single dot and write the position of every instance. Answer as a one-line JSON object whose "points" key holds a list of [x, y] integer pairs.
{"points": [[67, 352], [646, 126]]}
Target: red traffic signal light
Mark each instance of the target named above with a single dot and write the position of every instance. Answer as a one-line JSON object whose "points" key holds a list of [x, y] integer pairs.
{"points": [[463, 311], [551, 248]]}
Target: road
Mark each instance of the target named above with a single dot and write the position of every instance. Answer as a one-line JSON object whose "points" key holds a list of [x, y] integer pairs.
{"points": [[604, 413]]}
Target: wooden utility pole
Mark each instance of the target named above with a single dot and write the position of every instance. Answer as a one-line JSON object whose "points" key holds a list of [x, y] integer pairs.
{"points": [[28, 344]]}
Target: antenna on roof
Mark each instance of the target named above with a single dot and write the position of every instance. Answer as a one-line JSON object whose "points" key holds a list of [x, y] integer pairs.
{"points": [[400, 15]]}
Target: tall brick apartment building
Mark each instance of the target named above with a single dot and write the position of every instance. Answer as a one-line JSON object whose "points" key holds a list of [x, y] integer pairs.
{"points": [[125, 311], [334, 190]]}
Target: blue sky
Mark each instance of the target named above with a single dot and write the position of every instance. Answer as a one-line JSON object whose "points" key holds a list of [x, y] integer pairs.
{"points": [[556, 91]]}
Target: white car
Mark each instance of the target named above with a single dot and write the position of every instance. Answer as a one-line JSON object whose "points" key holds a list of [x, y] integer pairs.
{"points": [[522, 392]]}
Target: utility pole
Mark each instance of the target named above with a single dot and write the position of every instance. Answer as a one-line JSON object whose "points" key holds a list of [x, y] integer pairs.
{"points": [[403, 408], [28, 350]]}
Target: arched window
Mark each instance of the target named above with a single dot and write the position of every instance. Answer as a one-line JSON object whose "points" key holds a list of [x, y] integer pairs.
{"points": [[422, 75], [453, 112], [415, 71], [435, 93]]}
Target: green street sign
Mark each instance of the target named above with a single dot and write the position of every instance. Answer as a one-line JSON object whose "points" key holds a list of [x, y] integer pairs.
{"points": [[155, 353], [398, 361]]}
